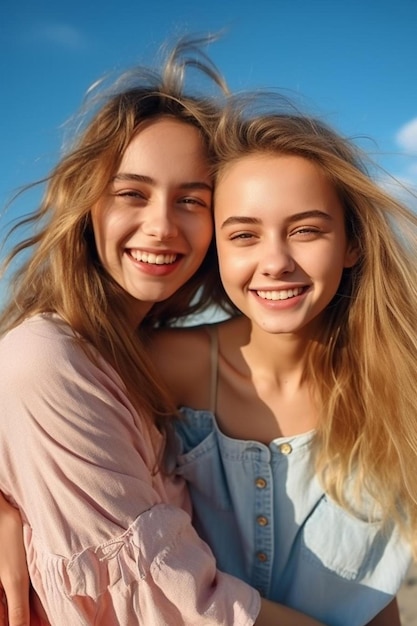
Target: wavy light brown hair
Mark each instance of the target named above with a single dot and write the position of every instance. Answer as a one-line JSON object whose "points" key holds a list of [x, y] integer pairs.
{"points": [[63, 273], [363, 365]]}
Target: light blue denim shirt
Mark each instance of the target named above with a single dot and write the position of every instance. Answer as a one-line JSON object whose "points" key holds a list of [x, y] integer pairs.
{"points": [[268, 521]]}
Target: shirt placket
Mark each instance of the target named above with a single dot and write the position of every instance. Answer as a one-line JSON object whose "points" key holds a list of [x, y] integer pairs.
{"points": [[263, 523]]}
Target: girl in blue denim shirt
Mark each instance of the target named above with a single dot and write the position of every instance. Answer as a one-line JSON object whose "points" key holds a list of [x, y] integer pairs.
{"points": [[300, 448]]}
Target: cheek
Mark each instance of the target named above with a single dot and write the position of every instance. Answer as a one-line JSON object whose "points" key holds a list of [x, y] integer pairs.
{"points": [[222, 258], [330, 273], [200, 234], [107, 231], [110, 228], [326, 259], [234, 266], [339, 259], [99, 236]]}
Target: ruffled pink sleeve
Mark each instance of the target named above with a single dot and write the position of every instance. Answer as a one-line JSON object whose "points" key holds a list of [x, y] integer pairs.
{"points": [[106, 546]]}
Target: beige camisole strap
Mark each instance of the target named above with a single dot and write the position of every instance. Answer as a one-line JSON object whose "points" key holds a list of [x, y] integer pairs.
{"points": [[214, 361]]}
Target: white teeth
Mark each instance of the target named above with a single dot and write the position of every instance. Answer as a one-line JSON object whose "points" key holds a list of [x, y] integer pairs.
{"points": [[283, 294], [152, 258]]}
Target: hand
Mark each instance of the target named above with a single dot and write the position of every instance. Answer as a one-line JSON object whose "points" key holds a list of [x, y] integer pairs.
{"points": [[14, 577], [390, 616], [273, 613]]}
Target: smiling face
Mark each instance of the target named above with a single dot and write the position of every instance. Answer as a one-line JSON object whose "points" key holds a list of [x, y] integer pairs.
{"points": [[281, 240], [154, 225]]}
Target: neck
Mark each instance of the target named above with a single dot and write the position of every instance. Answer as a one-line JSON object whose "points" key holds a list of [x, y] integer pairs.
{"points": [[136, 312], [264, 374], [279, 356]]}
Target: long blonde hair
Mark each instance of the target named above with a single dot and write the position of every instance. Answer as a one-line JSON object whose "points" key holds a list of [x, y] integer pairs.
{"points": [[63, 274], [363, 366]]}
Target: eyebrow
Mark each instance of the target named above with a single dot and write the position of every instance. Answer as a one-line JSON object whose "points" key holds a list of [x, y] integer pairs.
{"points": [[148, 180], [238, 219]]}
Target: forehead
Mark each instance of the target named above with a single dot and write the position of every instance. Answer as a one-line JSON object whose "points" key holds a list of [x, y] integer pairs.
{"points": [[274, 185], [275, 171], [167, 132], [166, 145], [256, 161]]}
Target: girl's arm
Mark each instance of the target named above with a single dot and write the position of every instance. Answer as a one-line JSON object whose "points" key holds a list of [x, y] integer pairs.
{"points": [[15, 581], [390, 616], [14, 578], [272, 613]]}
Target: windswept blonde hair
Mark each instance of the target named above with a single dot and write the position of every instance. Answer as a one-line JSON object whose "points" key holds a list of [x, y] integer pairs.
{"points": [[63, 274], [363, 365]]}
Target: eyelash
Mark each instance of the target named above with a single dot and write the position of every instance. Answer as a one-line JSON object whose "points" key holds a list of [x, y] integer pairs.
{"points": [[188, 200], [196, 201], [130, 194], [307, 229], [303, 231], [241, 236], [244, 239]]}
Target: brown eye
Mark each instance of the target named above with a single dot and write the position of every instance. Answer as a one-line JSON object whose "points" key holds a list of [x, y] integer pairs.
{"points": [[306, 231], [193, 202], [130, 194], [241, 236]]}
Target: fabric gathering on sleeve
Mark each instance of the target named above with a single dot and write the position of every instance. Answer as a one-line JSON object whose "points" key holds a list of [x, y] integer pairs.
{"points": [[158, 572], [105, 544]]}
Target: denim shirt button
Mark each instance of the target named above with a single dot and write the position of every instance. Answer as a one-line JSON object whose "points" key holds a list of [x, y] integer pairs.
{"points": [[260, 483], [262, 520], [285, 448], [262, 557]]}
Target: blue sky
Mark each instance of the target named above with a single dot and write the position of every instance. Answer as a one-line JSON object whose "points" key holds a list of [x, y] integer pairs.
{"points": [[352, 62]]}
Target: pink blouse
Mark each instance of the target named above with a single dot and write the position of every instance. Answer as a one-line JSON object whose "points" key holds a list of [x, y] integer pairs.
{"points": [[108, 542]]}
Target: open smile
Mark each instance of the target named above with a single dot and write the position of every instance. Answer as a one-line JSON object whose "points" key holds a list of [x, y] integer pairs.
{"points": [[153, 258], [280, 294]]}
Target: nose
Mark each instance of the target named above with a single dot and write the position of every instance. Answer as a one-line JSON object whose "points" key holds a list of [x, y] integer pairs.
{"points": [[159, 221], [276, 260]]}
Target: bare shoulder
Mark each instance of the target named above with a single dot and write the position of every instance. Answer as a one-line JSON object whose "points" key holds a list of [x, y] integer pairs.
{"points": [[182, 357], [233, 333]]}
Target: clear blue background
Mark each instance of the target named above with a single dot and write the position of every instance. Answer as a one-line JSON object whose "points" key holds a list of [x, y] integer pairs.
{"points": [[353, 62]]}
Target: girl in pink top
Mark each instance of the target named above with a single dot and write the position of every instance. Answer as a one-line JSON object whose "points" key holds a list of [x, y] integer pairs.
{"points": [[123, 240]]}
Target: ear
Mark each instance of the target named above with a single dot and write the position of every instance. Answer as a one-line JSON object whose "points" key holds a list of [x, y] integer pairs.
{"points": [[351, 255]]}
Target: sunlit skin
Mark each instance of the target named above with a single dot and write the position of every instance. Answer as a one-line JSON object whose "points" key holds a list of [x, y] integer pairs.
{"points": [[281, 241], [154, 225]]}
